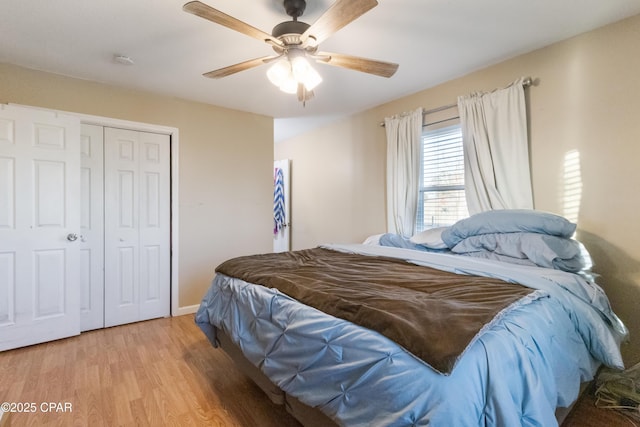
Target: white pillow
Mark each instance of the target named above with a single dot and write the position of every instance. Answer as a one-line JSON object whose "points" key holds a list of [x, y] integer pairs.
{"points": [[431, 238], [372, 240]]}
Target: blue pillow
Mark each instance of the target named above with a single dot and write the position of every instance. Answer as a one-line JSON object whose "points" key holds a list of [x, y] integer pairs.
{"points": [[540, 249], [508, 221]]}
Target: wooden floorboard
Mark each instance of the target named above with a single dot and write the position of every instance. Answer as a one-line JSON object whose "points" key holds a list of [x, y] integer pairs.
{"points": [[161, 372]]}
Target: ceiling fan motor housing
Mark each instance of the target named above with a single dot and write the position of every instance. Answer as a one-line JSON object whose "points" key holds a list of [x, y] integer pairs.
{"points": [[295, 8], [289, 31], [289, 27]]}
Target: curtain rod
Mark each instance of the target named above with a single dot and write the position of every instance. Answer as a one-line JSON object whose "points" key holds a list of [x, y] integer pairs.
{"points": [[525, 83]]}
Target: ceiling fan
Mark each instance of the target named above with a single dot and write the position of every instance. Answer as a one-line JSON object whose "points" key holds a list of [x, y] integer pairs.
{"points": [[294, 42]]}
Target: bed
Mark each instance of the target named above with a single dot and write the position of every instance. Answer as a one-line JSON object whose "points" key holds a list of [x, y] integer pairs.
{"points": [[513, 324]]}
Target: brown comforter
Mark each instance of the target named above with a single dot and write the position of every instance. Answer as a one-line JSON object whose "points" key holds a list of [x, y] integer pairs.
{"points": [[431, 313]]}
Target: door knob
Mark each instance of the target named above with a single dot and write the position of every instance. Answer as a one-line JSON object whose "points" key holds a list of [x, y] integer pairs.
{"points": [[72, 237]]}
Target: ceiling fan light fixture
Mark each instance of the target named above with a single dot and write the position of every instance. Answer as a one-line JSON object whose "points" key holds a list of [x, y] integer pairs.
{"points": [[279, 72], [292, 70], [289, 85], [312, 79], [304, 73]]}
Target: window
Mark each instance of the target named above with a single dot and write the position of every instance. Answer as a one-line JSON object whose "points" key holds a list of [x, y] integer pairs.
{"points": [[441, 200]]}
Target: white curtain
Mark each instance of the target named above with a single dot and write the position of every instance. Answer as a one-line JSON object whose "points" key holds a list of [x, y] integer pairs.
{"points": [[404, 132], [496, 149]]}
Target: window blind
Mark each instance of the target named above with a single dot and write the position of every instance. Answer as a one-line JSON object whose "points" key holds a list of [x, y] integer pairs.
{"points": [[442, 199]]}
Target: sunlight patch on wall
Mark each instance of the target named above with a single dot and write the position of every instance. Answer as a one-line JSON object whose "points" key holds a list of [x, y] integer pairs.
{"points": [[571, 186]]}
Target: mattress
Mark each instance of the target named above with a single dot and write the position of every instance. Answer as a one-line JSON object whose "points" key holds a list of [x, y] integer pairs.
{"points": [[517, 371]]}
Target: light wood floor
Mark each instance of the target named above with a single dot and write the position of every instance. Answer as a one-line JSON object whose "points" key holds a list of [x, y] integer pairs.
{"points": [[158, 373]]}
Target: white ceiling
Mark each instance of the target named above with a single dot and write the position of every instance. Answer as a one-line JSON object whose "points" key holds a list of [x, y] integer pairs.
{"points": [[432, 40]]}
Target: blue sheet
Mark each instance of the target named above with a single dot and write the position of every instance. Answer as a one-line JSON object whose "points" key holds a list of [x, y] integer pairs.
{"points": [[529, 361]]}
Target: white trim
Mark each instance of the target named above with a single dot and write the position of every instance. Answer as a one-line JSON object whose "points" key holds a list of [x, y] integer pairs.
{"points": [[189, 309], [176, 310], [175, 223]]}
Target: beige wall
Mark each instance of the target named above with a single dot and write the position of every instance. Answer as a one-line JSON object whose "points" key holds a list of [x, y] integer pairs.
{"points": [[586, 100], [337, 183], [225, 168]]}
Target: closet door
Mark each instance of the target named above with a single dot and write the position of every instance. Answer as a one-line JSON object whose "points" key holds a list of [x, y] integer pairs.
{"points": [[39, 226], [137, 226], [91, 228]]}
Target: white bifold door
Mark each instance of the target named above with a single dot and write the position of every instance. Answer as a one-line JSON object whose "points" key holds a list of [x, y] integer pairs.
{"points": [[39, 226], [136, 226], [91, 227], [125, 226]]}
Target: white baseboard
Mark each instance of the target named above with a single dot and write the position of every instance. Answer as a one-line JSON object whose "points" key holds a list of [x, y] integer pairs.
{"points": [[189, 309]]}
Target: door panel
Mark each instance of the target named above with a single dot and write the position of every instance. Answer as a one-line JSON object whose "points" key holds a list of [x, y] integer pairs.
{"points": [[7, 192], [49, 189], [137, 226], [121, 222], [152, 202], [85, 284], [92, 227], [50, 273], [126, 269], [7, 292], [154, 226], [152, 262], [40, 182]]}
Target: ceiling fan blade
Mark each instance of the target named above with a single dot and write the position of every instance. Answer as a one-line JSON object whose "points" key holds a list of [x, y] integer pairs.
{"points": [[236, 68], [207, 12], [337, 16], [371, 66]]}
